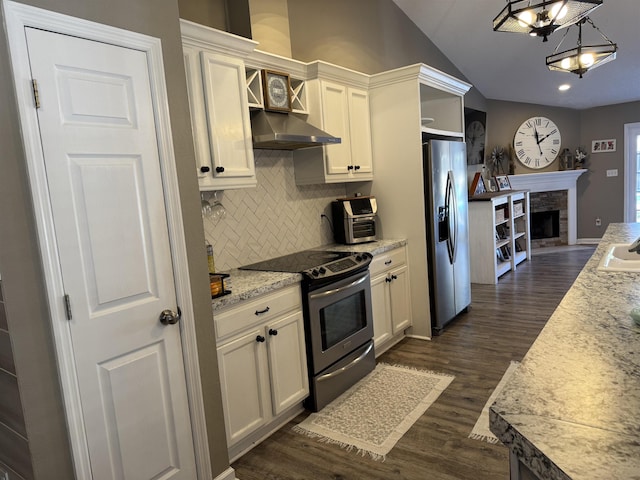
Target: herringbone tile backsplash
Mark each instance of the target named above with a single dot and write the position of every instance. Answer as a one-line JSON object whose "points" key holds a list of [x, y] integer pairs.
{"points": [[276, 218]]}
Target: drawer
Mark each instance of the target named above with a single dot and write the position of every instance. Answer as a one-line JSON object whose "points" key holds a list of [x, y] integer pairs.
{"points": [[390, 259], [251, 312]]}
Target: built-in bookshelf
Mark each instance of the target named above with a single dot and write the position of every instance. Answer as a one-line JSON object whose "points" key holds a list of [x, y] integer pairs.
{"points": [[499, 235]]}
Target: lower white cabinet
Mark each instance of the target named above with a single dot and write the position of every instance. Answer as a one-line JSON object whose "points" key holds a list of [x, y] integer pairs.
{"points": [[262, 363], [390, 294]]}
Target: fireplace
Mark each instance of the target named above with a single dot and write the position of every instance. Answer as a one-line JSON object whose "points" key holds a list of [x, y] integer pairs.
{"points": [[545, 183], [548, 219], [545, 225]]}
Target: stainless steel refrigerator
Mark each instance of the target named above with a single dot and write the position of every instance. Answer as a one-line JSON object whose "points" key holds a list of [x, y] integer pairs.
{"points": [[446, 207]]}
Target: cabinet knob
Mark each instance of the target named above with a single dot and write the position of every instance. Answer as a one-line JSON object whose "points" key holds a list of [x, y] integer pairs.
{"points": [[273, 332], [204, 169], [394, 277], [388, 280], [357, 167], [350, 167], [260, 339], [219, 169]]}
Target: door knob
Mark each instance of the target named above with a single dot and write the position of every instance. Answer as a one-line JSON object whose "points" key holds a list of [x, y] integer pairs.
{"points": [[169, 317]]}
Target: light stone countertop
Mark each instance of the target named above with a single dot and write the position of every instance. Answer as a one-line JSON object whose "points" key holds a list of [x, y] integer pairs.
{"points": [[572, 408], [247, 284]]}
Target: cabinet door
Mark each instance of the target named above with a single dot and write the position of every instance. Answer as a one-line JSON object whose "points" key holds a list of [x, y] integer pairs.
{"points": [[400, 299], [287, 362], [244, 384], [360, 131], [381, 310], [198, 114], [228, 122], [335, 120]]}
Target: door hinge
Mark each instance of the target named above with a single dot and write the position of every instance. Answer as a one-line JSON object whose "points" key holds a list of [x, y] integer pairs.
{"points": [[67, 306], [36, 93]]}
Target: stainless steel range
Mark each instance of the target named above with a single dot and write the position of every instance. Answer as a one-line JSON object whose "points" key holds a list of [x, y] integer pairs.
{"points": [[336, 297]]}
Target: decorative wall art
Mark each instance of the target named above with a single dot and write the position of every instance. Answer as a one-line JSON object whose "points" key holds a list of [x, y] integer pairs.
{"points": [[601, 146], [475, 123]]}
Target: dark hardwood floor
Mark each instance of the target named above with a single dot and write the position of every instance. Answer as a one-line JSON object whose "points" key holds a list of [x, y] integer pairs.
{"points": [[477, 347]]}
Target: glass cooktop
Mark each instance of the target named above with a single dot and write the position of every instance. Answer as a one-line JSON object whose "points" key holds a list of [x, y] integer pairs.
{"points": [[299, 262]]}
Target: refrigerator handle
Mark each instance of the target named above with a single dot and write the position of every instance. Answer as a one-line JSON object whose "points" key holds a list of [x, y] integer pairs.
{"points": [[452, 241]]}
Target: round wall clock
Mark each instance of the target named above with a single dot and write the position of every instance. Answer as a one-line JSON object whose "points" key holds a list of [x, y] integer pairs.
{"points": [[474, 136], [537, 142]]}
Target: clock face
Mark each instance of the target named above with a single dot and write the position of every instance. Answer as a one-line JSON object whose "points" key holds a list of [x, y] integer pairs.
{"points": [[277, 91], [474, 136], [537, 142]]}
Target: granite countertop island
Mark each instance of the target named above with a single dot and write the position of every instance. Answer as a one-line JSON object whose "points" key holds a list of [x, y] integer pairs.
{"points": [[247, 284], [572, 408]]}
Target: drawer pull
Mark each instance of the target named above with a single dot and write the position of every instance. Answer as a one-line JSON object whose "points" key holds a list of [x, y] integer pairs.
{"points": [[260, 312], [273, 332], [260, 339], [388, 262]]}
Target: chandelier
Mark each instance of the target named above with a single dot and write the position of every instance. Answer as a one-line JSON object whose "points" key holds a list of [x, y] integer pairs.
{"points": [[582, 58], [542, 18]]}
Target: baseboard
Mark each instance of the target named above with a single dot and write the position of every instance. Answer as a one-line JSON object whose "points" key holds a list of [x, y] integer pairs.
{"points": [[588, 241], [228, 474]]}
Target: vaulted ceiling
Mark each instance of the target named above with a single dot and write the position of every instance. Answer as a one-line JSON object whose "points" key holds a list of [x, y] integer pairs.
{"points": [[511, 66]]}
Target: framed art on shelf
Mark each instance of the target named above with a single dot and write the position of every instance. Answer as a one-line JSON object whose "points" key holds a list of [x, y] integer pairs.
{"points": [[502, 183], [477, 185], [277, 91]]}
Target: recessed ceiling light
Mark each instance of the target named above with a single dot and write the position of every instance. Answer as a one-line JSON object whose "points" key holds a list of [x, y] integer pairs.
{"points": [[564, 87]]}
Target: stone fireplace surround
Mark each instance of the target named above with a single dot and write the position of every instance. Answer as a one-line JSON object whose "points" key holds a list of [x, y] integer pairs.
{"points": [[550, 182]]}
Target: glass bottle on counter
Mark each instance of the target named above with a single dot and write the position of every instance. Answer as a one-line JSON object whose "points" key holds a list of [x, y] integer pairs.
{"points": [[210, 260]]}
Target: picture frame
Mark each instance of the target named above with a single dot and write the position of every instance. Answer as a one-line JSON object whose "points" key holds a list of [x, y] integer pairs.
{"points": [[477, 185], [475, 125], [276, 87], [603, 146], [502, 183]]}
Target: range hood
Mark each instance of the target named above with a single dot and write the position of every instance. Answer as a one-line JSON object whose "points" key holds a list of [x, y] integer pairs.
{"points": [[280, 131]]}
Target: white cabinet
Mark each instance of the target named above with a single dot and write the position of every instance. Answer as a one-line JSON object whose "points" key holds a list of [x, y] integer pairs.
{"points": [[399, 99], [341, 109], [217, 89], [499, 234], [390, 293], [262, 362]]}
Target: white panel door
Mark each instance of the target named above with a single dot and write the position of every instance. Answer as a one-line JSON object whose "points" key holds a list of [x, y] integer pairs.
{"points": [[360, 130], [104, 180]]}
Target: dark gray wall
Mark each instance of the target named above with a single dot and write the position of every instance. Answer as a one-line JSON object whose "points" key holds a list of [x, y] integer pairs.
{"points": [[599, 195], [504, 118], [25, 304], [369, 36]]}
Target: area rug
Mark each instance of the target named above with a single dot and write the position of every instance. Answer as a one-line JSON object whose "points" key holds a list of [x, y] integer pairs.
{"points": [[373, 415], [481, 429]]}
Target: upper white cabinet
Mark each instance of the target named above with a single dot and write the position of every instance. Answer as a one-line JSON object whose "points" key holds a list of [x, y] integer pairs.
{"points": [[217, 88], [339, 105]]}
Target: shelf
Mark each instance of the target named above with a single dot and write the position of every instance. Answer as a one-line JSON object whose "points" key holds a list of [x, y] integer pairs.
{"points": [[485, 245], [503, 242]]}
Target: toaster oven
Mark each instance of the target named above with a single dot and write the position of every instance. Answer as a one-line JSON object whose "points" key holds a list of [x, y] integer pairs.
{"points": [[354, 220]]}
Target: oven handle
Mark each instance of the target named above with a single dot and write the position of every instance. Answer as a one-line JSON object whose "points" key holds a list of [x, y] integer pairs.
{"points": [[333, 291], [340, 371]]}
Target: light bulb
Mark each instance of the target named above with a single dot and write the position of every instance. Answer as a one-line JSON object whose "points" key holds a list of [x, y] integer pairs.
{"points": [[525, 18], [566, 63], [558, 11], [564, 87], [586, 60]]}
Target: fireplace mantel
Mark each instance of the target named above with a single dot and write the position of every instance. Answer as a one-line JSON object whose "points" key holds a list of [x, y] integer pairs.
{"points": [[551, 181]]}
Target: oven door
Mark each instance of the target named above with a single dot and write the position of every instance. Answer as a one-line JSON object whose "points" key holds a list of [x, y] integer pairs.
{"points": [[339, 319]]}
